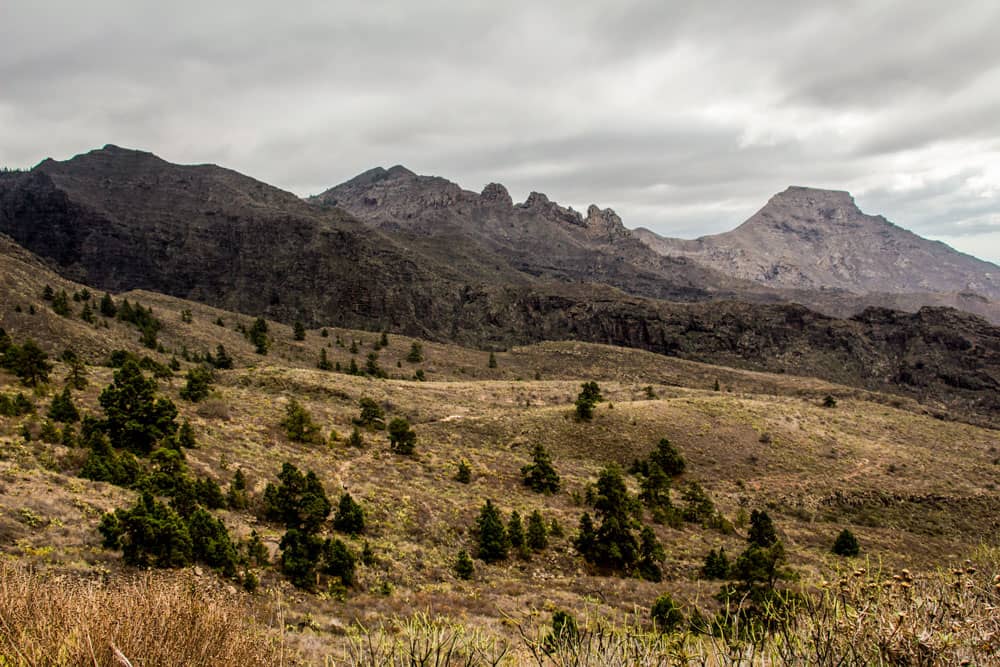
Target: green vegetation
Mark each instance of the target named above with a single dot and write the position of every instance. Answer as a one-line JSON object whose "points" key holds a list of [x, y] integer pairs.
{"points": [[402, 439], [199, 384], [846, 544], [299, 425], [491, 534], [590, 396], [540, 476], [136, 419]]}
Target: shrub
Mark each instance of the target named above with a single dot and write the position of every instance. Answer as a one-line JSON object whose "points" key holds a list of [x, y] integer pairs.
{"points": [[846, 544], [221, 360], [324, 363], [829, 401], [28, 362], [210, 542], [651, 554], [590, 395], [540, 476], [416, 354], [299, 331]]}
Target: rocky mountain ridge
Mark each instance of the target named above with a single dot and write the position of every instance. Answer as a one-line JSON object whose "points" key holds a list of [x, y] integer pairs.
{"points": [[806, 238], [119, 220]]}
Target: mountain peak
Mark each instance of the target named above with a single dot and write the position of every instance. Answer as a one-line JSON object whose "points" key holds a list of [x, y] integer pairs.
{"points": [[812, 205], [495, 192]]}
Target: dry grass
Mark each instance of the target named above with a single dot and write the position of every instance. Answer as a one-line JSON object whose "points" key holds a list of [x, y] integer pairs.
{"points": [[150, 620]]}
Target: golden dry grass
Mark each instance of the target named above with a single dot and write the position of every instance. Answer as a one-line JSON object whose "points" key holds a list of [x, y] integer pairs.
{"points": [[149, 619]]}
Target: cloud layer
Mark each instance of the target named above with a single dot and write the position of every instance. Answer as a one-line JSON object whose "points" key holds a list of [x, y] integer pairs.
{"points": [[684, 117]]}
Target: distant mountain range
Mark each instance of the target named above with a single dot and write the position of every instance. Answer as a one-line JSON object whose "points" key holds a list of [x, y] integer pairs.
{"points": [[419, 255]]}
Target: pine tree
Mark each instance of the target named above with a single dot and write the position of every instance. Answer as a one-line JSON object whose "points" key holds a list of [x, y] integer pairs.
{"points": [[492, 363], [515, 531], [537, 535], [666, 614], [846, 544], [402, 439], [198, 386], [761, 533], [62, 408], [257, 335], [298, 501], [350, 518], [299, 331], [222, 360], [29, 363], [324, 364], [668, 458], [716, 565], [108, 307], [540, 476], [464, 474], [298, 424], [148, 534], [416, 354], [236, 497], [493, 542], [135, 418], [651, 554], [590, 395], [383, 341], [464, 568], [371, 414]]}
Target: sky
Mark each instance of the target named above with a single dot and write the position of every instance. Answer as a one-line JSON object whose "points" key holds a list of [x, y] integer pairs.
{"points": [[684, 117]]}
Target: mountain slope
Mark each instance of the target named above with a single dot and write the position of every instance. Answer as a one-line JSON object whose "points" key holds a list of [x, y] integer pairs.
{"points": [[806, 238], [120, 220]]}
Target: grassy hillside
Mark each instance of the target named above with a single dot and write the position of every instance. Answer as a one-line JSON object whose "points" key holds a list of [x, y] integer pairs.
{"points": [[919, 492]]}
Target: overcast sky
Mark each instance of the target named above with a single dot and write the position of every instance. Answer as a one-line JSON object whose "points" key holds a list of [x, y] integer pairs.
{"points": [[683, 117]]}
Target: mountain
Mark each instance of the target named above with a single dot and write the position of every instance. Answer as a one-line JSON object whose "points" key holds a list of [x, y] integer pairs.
{"points": [[805, 238], [537, 237], [429, 259]]}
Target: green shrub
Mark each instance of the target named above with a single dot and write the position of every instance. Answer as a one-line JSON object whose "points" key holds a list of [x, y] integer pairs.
{"points": [[540, 476], [349, 518], [492, 534], [298, 424], [464, 567], [402, 439], [666, 614]]}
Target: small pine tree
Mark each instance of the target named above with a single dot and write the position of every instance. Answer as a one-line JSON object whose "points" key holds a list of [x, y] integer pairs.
{"points": [[651, 554], [402, 439], [60, 304], [324, 363], [590, 395], [829, 401], [236, 496], [492, 363], [184, 437], [416, 354], [464, 474], [62, 408], [222, 360], [199, 384], [540, 476], [515, 531], [349, 518], [716, 565], [666, 614], [464, 568], [107, 306], [257, 335], [846, 544], [298, 424], [371, 414], [537, 535], [492, 534], [299, 331], [383, 341], [355, 439], [761, 533]]}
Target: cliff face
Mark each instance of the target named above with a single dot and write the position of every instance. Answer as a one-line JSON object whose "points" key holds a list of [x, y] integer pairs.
{"points": [[806, 238], [117, 220]]}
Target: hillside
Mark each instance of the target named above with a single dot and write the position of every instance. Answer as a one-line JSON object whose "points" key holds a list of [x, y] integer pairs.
{"points": [[916, 490]]}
